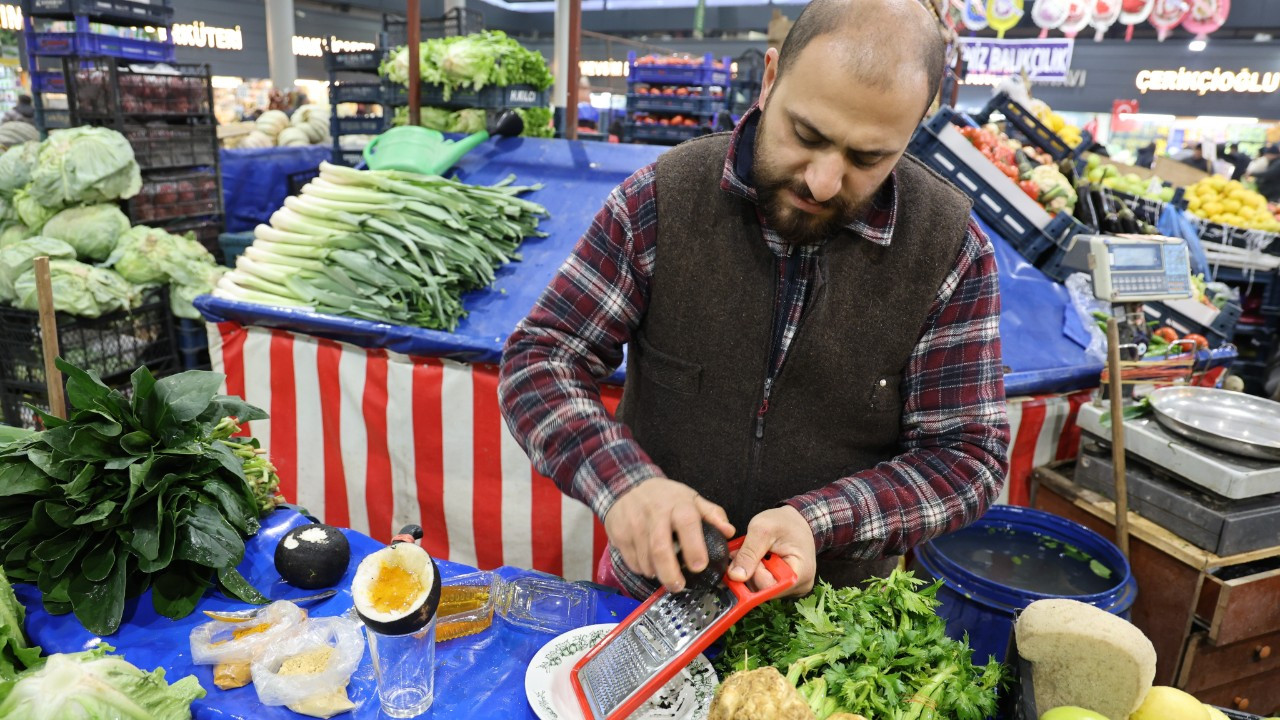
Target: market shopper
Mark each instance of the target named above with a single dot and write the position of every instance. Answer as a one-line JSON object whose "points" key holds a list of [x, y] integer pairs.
{"points": [[812, 327], [1268, 179], [24, 111]]}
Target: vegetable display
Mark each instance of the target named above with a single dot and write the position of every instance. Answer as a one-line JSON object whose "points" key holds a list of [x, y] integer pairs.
{"points": [[146, 255], [537, 121], [134, 491], [84, 165], [309, 125], [383, 245], [879, 651], [91, 230], [16, 654], [471, 62], [79, 289], [1034, 171]]}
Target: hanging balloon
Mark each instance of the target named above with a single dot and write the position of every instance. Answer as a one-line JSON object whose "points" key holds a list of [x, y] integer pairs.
{"points": [[975, 15], [1049, 15], [1003, 14], [1105, 14], [1079, 12], [1133, 12], [1206, 16], [955, 14], [1167, 15]]}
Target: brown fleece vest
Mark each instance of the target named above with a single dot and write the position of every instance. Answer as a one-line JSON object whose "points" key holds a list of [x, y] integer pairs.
{"points": [[697, 364]]}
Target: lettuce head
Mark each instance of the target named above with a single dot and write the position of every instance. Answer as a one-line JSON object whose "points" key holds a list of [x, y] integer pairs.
{"points": [[93, 684], [84, 165], [30, 211], [16, 653], [19, 257], [146, 255], [16, 165], [92, 230], [79, 289], [13, 231]]}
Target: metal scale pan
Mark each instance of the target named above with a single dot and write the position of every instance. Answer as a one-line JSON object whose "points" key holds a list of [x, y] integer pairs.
{"points": [[1228, 421]]}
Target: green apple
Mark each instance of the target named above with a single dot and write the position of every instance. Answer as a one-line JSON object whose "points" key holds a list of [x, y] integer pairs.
{"points": [[1071, 712]]}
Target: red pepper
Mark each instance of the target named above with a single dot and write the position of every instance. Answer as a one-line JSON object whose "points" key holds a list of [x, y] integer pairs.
{"points": [[1030, 188]]}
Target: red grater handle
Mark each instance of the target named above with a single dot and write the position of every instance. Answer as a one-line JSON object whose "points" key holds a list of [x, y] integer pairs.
{"points": [[785, 579]]}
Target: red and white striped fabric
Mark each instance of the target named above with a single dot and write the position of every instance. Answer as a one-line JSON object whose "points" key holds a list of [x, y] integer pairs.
{"points": [[374, 440]]}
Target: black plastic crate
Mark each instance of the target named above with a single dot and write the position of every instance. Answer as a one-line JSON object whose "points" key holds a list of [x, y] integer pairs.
{"points": [[458, 21], [996, 198], [686, 105], [112, 346], [103, 89], [162, 146], [1219, 234], [345, 92], [176, 196], [1030, 127], [1148, 209], [489, 97], [125, 10], [205, 231], [347, 157], [55, 119], [357, 61], [371, 125], [662, 133], [1218, 333]]}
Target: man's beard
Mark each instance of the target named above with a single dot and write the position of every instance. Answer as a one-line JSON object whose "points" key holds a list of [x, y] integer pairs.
{"points": [[793, 225]]}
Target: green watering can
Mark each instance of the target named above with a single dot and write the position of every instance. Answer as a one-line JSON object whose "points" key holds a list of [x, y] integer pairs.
{"points": [[421, 150]]}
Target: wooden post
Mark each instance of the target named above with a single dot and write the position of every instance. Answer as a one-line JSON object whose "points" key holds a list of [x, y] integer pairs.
{"points": [[1117, 436], [414, 38], [571, 71], [49, 335]]}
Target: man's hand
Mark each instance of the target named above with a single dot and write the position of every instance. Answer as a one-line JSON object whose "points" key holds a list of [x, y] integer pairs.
{"points": [[784, 532], [642, 521]]}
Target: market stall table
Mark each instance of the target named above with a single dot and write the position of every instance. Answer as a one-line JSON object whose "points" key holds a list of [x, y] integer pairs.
{"points": [[480, 676]]}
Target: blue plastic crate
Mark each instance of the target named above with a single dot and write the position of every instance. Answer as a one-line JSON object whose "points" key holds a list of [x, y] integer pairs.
{"points": [[689, 105], [357, 93], [59, 44], [1030, 126], [996, 198], [661, 133], [48, 81], [192, 336], [55, 119], [126, 10], [359, 125], [233, 245], [705, 74]]}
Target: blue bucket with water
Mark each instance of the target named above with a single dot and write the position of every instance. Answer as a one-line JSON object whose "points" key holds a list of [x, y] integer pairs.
{"points": [[1010, 558]]}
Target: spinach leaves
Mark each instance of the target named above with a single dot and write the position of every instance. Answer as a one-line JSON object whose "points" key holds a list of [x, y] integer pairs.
{"points": [[133, 492]]}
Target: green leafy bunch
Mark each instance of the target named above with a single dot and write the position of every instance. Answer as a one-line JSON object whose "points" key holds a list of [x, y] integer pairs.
{"points": [[879, 651], [471, 62], [133, 492]]}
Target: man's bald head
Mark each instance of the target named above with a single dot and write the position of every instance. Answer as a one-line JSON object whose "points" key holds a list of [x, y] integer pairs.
{"points": [[881, 40]]}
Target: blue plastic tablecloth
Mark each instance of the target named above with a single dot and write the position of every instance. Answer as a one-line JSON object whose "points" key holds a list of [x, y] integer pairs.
{"points": [[255, 181], [481, 676], [1043, 339]]}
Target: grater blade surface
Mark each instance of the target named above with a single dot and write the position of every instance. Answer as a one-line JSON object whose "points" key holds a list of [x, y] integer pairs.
{"points": [[650, 643]]}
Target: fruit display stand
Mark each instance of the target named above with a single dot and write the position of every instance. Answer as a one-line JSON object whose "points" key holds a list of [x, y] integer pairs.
{"points": [[55, 30], [670, 100], [1213, 619]]}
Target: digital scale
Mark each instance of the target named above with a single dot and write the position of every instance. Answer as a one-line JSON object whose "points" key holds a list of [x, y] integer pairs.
{"points": [[1139, 268]]}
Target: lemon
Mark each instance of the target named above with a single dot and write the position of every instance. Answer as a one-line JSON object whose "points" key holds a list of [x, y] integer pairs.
{"points": [[1166, 703], [1233, 185], [1212, 208], [1193, 203], [1231, 205], [1205, 191]]}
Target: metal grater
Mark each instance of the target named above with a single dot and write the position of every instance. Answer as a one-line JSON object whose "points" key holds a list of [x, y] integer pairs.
{"points": [[661, 637]]}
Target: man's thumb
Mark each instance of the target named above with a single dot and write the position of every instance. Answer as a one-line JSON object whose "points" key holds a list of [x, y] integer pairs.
{"points": [[748, 557]]}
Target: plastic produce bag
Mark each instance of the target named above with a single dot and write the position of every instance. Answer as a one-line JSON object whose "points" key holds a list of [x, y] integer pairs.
{"points": [[1080, 286], [237, 642], [276, 686], [1178, 224]]}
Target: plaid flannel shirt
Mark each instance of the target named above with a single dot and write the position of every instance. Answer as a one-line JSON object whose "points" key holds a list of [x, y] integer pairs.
{"points": [[955, 433]]}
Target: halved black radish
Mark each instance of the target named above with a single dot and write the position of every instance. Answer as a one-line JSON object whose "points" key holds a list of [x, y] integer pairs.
{"points": [[397, 589]]}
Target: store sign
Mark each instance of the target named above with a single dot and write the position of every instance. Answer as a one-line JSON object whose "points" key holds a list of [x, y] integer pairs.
{"points": [[1074, 79], [604, 68], [1203, 82], [10, 17], [1047, 59], [199, 35], [307, 46]]}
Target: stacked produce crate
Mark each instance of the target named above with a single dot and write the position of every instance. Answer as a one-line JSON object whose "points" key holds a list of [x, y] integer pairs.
{"points": [[672, 99], [61, 30], [353, 78], [748, 78], [167, 117]]}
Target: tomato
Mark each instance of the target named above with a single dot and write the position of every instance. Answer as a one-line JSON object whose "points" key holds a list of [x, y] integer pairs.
{"points": [[1200, 341], [1167, 334]]}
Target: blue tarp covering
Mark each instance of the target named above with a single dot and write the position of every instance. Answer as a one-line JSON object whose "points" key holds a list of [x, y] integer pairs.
{"points": [[1042, 336], [255, 181], [481, 676]]}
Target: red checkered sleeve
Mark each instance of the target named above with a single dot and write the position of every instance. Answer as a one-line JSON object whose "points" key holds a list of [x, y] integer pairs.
{"points": [[955, 431], [572, 339]]}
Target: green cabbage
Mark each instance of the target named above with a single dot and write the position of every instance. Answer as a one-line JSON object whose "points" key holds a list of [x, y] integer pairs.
{"points": [[96, 686], [12, 232], [79, 289], [146, 255], [19, 257], [471, 61], [15, 653], [92, 230], [33, 213], [182, 294], [16, 165], [537, 122], [84, 165]]}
